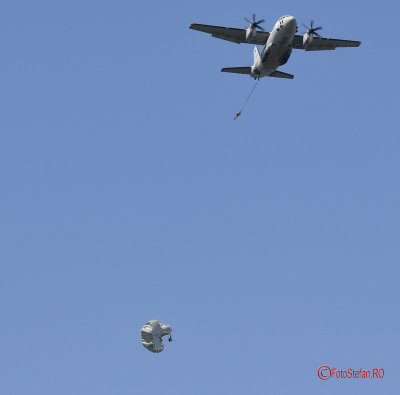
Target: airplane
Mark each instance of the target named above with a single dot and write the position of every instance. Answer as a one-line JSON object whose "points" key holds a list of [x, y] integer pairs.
{"points": [[278, 44]]}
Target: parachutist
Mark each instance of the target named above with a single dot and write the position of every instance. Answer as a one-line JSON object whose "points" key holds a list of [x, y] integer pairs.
{"points": [[152, 333], [170, 338], [237, 114]]}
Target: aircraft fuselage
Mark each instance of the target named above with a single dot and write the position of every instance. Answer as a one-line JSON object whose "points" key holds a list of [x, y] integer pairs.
{"points": [[277, 49]]}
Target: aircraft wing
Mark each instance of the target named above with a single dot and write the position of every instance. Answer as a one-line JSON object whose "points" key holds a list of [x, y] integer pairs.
{"points": [[323, 44], [231, 34]]}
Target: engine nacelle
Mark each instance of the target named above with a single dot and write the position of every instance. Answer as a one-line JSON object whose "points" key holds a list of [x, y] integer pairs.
{"points": [[250, 33], [307, 40]]}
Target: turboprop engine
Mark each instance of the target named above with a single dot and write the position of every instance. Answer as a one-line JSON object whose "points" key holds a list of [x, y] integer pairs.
{"points": [[250, 33], [309, 34], [252, 29], [307, 39]]}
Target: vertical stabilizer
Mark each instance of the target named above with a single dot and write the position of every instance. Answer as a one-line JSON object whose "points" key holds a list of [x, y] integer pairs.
{"points": [[257, 56]]}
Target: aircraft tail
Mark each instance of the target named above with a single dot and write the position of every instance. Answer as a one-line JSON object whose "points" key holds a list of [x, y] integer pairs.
{"points": [[237, 70], [257, 56], [244, 70], [280, 74]]}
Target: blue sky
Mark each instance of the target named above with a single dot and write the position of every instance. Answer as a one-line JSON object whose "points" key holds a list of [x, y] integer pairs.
{"points": [[270, 244]]}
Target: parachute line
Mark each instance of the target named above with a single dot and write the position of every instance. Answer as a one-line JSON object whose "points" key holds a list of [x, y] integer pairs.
{"points": [[247, 99]]}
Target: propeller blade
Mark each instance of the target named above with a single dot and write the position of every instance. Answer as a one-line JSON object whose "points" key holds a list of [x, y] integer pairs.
{"points": [[247, 20], [254, 17], [260, 21], [312, 30]]}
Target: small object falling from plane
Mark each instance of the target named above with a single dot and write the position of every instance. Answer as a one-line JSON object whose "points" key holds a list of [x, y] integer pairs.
{"points": [[245, 102]]}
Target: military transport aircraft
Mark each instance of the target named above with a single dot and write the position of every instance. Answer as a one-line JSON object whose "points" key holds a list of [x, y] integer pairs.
{"points": [[278, 44]]}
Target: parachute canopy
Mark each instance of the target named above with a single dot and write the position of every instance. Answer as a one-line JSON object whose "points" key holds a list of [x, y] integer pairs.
{"points": [[152, 333]]}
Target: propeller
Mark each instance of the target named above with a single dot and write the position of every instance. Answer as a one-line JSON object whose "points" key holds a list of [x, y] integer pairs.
{"points": [[312, 30], [255, 24]]}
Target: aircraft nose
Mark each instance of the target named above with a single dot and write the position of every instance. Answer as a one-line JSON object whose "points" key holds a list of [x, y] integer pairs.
{"points": [[291, 21]]}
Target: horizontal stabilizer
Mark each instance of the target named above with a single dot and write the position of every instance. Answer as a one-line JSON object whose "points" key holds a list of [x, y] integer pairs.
{"points": [[279, 74], [237, 70]]}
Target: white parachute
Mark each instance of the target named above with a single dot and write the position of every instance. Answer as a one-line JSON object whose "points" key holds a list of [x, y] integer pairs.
{"points": [[152, 333]]}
